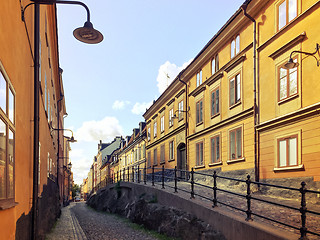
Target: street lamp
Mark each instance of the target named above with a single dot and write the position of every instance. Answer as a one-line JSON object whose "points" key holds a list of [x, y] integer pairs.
{"points": [[85, 34], [291, 64], [69, 139]]}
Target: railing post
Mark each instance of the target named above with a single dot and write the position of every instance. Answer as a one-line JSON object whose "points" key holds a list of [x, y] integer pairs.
{"points": [[192, 183], [214, 189], [128, 174], [303, 210], [175, 179], [138, 173], [145, 174], [152, 176], [162, 177], [248, 197]]}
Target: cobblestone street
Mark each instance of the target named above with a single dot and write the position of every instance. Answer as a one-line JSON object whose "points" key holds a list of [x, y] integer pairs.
{"points": [[79, 222]]}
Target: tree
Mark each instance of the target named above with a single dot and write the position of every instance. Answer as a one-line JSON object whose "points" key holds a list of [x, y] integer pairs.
{"points": [[75, 190]]}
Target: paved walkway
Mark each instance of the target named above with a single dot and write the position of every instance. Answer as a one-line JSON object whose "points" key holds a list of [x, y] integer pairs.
{"points": [[79, 222], [67, 227]]}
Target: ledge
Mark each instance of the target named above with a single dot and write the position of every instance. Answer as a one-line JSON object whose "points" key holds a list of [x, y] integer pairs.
{"points": [[236, 160], [299, 167], [288, 46], [215, 164], [171, 160], [162, 109], [200, 166], [171, 101], [7, 204], [235, 63], [198, 90], [215, 77], [156, 115], [180, 93]]}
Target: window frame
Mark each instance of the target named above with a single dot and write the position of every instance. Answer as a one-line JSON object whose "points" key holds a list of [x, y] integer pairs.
{"points": [[200, 146], [234, 50], [215, 66], [155, 129], [155, 157], [286, 139], [180, 110], [236, 144], [162, 124], [214, 153], [171, 150], [8, 118], [199, 112], [171, 117], [287, 76], [287, 13], [149, 133], [214, 111], [199, 79], [162, 154], [235, 91]]}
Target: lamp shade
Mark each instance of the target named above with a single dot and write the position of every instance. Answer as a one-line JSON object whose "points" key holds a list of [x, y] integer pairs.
{"points": [[88, 34], [291, 64]]}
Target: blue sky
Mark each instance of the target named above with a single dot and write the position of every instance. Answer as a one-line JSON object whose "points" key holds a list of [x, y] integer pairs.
{"points": [[109, 85]]}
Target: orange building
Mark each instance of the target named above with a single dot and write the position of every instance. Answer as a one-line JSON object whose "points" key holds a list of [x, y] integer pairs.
{"points": [[17, 175]]}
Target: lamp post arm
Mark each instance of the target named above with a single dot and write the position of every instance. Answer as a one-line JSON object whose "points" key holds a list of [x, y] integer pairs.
{"points": [[309, 54], [59, 2]]}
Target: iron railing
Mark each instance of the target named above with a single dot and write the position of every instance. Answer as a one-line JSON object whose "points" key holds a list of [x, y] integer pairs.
{"points": [[162, 176]]}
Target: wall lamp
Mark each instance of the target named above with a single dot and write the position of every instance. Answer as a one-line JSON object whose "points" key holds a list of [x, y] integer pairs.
{"points": [[291, 64], [86, 34], [175, 115], [69, 139]]}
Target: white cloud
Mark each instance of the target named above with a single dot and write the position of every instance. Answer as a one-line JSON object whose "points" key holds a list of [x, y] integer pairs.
{"points": [[118, 105], [140, 108], [167, 73], [105, 129]]}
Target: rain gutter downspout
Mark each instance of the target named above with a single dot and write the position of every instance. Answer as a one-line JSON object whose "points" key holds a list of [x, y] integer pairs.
{"points": [[186, 114], [255, 108], [36, 120]]}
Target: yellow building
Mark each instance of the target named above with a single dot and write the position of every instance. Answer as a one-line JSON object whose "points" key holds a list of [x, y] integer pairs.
{"points": [[243, 111]]}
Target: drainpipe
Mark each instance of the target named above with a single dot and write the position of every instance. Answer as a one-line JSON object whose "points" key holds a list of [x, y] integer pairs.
{"points": [[58, 137], [255, 107], [186, 115], [36, 120]]}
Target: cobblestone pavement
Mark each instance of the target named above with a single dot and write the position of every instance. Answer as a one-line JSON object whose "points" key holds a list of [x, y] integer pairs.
{"points": [[281, 214], [79, 222]]}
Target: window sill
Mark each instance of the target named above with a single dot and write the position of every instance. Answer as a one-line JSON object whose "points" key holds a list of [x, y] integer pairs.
{"points": [[171, 160], [161, 163], [215, 115], [235, 105], [279, 169], [236, 160], [180, 120], [200, 166], [7, 204], [287, 99], [198, 124], [215, 164]]}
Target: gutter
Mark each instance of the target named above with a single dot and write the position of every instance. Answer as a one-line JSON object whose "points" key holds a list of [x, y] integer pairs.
{"points": [[255, 106]]}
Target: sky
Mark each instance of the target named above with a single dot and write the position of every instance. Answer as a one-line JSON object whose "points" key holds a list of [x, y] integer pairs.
{"points": [[108, 86]]}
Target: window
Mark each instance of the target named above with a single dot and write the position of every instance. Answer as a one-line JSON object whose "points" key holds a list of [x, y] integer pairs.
{"points": [[155, 160], [180, 110], [149, 133], [199, 78], [143, 151], [162, 154], [288, 82], [235, 95], [215, 102], [288, 151], [199, 112], [215, 149], [235, 138], [171, 150], [214, 64], [235, 46], [149, 159], [287, 11], [162, 124], [171, 117], [7, 140], [199, 154], [155, 129]]}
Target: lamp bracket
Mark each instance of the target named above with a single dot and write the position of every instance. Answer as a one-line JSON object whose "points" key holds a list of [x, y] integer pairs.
{"points": [[310, 54]]}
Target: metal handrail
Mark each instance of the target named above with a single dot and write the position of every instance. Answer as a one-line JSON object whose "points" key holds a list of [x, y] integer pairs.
{"points": [[163, 176]]}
